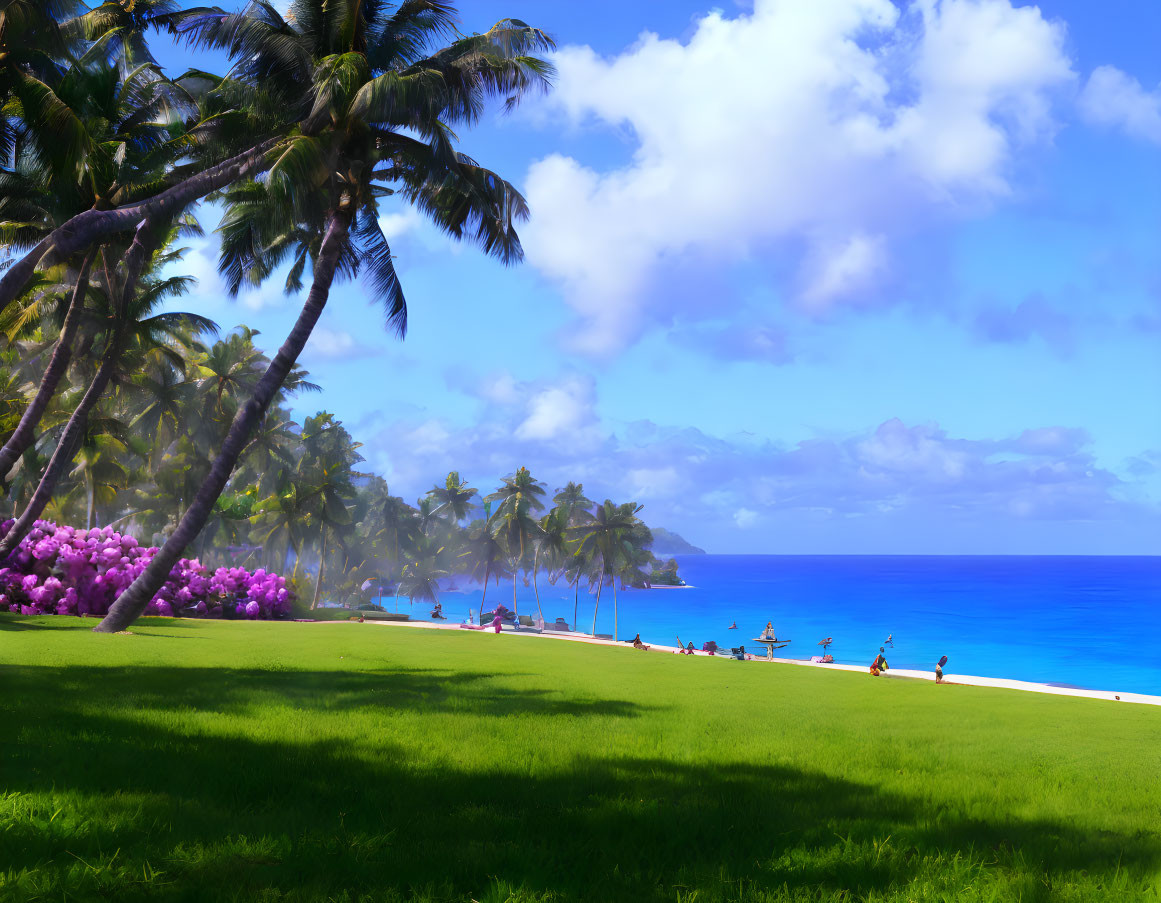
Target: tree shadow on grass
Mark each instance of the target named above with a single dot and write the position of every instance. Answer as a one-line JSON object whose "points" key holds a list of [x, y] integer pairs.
{"points": [[225, 816], [246, 690], [10, 621]]}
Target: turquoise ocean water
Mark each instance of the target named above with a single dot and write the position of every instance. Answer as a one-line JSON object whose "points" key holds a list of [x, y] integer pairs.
{"points": [[1092, 622]]}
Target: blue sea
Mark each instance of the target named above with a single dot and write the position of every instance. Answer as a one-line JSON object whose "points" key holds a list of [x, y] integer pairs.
{"points": [[1092, 622]]}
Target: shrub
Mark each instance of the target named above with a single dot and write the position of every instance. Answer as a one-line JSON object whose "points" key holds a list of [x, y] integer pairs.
{"points": [[61, 570]]}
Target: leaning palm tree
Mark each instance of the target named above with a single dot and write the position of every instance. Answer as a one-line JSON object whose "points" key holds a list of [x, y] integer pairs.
{"points": [[377, 106], [118, 141], [134, 328]]}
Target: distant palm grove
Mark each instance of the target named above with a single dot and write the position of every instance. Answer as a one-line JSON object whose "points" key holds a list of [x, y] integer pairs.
{"points": [[118, 410]]}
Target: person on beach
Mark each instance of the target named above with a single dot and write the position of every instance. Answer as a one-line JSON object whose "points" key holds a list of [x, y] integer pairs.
{"points": [[939, 669], [637, 644], [879, 664], [497, 622]]}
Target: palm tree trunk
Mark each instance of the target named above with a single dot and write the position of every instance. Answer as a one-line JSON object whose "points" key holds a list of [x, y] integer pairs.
{"points": [[91, 226], [575, 598], [70, 440], [598, 603], [487, 575], [58, 365], [132, 602], [515, 610], [91, 493], [535, 588], [61, 456], [322, 557], [614, 609]]}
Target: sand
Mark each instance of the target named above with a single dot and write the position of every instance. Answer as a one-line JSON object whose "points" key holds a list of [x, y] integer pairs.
{"points": [[892, 674]]}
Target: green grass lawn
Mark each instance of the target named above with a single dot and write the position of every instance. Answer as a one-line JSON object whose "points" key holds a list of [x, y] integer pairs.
{"points": [[344, 761]]}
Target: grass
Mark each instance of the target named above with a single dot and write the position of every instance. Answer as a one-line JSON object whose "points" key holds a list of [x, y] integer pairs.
{"points": [[343, 762]]}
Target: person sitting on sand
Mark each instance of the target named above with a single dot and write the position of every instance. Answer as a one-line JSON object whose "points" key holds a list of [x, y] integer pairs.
{"points": [[879, 664], [939, 669], [637, 644]]}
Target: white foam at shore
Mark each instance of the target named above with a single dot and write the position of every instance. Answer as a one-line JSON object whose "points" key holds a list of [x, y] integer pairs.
{"points": [[965, 679]]}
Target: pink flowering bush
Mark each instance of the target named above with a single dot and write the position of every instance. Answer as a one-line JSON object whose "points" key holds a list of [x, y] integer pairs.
{"points": [[65, 571]]}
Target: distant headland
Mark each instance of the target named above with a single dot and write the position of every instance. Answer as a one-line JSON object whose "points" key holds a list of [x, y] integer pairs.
{"points": [[668, 543]]}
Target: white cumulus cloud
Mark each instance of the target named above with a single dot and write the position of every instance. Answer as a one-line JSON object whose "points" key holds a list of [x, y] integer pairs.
{"points": [[1113, 99], [825, 125], [558, 410]]}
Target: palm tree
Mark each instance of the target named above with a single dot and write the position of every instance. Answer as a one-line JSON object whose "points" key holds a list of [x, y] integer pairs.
{"points": [[485, 554], [328, 455], [572, 499], [391, 522], [552, 547], [118, 141], [376, 107], [454, 497], [280, 522], [25, 432], [513, 522], [133, 328], [602, 543], [421, 574]]}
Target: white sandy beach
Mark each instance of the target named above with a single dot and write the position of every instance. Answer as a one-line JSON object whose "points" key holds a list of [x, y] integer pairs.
{"points": [[949, 678]]}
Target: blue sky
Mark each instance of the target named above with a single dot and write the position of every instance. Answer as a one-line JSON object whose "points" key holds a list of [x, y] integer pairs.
{"points": [[802, 277]]}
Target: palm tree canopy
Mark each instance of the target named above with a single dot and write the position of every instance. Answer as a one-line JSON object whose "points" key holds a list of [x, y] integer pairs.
{"points": [[454, 497], [370, 99]]}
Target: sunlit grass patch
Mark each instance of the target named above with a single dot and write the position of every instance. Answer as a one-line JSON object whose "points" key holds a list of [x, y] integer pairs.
{"points": [[251, 761]]}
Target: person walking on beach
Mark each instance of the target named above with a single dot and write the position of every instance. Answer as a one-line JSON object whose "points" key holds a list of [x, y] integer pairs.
{"points": [[939, 669]]}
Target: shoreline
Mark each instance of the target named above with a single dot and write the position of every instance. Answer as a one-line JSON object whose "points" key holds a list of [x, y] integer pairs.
{"points": [[1003, 683]]}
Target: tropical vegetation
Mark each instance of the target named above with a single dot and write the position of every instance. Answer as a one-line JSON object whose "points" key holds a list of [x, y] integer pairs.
{"points": [[296, 504], [329, 112]]}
